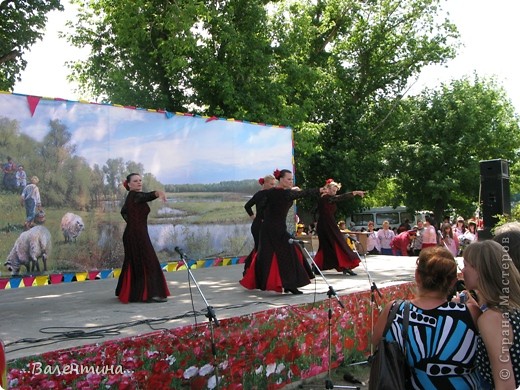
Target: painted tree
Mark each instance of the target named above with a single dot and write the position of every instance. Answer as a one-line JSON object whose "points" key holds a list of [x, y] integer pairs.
{"points": [[23, 23]]}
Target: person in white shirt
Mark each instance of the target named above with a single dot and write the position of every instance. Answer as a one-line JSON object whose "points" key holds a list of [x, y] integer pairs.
{"points": [[373, 246]]}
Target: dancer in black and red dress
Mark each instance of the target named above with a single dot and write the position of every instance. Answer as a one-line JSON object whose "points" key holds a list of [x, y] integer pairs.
{"points": [[259, 200], [333, 251], [278, 264], [141, 279]]}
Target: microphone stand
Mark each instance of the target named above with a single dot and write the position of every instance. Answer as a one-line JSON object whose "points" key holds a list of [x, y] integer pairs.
{"points": [[373, 290], [330, 293], [210, 313]]}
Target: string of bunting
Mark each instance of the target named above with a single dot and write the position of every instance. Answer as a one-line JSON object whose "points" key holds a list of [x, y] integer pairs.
{"points": [[33, 101], [81, 276]]}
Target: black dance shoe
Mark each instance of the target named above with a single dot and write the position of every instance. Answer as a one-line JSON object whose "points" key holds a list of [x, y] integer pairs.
{"points": [[349, 272], [294, 291]]}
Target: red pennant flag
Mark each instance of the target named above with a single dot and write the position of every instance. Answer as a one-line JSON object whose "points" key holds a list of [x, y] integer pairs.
{"points": [[33, 103]]}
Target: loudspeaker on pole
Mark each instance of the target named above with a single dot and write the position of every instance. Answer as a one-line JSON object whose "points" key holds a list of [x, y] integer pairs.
{"points": [[494, 191]]}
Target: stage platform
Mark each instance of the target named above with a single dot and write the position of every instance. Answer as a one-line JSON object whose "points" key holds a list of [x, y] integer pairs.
{"points": [[41, 315]]}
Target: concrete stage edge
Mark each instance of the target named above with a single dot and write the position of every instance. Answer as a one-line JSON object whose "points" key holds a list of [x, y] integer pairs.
{"points": [[31, 312]]}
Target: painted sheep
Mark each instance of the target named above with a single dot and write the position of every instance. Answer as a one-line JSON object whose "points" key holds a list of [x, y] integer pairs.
{"points": [[71, 225], [28, 248]]}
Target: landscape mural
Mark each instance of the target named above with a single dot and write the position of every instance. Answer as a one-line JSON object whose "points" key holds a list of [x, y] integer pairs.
{"points": [[81, 152]]}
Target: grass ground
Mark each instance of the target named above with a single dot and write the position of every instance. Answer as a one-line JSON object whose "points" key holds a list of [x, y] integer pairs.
{"points": [[196, 208]]}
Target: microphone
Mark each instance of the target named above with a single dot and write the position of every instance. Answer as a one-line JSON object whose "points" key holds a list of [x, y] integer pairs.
{"points": [[295, 241], [180, 252], [440, 234]]}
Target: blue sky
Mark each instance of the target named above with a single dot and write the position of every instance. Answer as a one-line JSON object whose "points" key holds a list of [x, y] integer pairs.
{"points": [[177, 150]]}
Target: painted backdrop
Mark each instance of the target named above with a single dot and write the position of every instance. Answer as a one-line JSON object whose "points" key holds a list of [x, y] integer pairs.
{"points": [[81, 153]]}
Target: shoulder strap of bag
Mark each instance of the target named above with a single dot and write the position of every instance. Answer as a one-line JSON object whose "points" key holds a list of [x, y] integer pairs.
{"points": [[406, 317], [391, 314]]}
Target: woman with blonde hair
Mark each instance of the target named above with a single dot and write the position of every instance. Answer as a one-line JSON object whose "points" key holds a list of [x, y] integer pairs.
{"points": [[489, 269], [385, 237], [333, 251]]}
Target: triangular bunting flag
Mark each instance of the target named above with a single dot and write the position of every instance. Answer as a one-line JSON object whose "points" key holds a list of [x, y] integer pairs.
{"points": [[28, 281], [15, 282], [105, 273], [67, 278], [81, 276], [42, 280], [56, 278], [33, 103]]}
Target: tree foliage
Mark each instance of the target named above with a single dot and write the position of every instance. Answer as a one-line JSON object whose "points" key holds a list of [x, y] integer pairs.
{"points": [[23, 23], [439, 137], [325, 68]]}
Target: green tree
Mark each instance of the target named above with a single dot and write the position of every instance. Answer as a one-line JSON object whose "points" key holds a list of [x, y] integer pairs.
{"points": [[23, 23], [114, 171], [327, 68], [439, 137], [54, 154], [98, 191], [347, 60]]}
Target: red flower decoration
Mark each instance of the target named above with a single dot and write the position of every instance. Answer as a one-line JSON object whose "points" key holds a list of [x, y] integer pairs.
{"points": [[276, 174], [261, 181], [329, 181], [125, 184]]}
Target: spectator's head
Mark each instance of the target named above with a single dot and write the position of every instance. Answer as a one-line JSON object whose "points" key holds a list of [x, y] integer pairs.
{"points": [[472, 226], [436, 270], [508, 235], [446, 230], [429, 220], [489, 269], [370, 225], [35, 180]]}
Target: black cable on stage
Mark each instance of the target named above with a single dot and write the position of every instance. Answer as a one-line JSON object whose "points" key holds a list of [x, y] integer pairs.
{"points": [[63, 333]]}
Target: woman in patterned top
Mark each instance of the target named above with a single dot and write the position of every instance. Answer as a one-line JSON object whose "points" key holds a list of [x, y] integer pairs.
{"points": [[442, 335], [489, 269]]}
